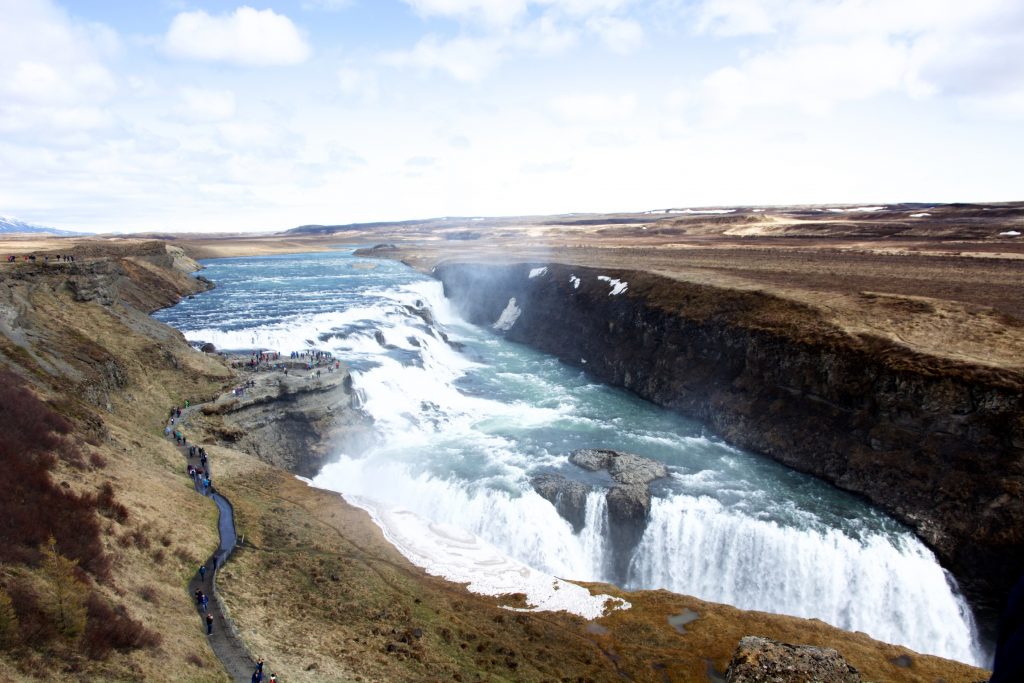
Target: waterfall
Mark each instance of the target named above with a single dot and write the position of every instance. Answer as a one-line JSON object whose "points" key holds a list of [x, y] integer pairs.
{"points": [[889, 587]]}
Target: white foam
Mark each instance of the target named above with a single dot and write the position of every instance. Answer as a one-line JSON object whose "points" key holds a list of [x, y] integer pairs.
{"points": [[618, 286], [508, 317], [537, 272], [449, 552], [574, 281]]}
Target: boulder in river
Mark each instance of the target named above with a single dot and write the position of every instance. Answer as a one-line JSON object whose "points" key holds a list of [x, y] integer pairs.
{"points": [[625, 468], [628, 499], [569, 497]]}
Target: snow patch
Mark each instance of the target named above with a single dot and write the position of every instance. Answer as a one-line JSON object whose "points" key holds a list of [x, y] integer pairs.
{"points": [[459, 556], [537, 272], [920, 215], [508, 317], [574, 281], [618, 286], [701, 211], [1010, 233], [859, 208]]}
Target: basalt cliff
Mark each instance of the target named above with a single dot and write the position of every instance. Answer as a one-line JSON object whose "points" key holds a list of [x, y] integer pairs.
{"points": [[938, 443]]}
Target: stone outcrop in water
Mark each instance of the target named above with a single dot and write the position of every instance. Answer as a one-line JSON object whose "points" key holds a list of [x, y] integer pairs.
{"points": [[629, 499], [760, 660], [937, 443], [568, 496]]}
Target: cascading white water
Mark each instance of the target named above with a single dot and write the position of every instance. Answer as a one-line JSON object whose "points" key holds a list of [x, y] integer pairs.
{"points": [[891, 588], [887, 585], [462, 431]]}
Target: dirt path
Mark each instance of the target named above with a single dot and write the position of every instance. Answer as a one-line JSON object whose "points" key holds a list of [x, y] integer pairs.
{"points": [[224, 640]]}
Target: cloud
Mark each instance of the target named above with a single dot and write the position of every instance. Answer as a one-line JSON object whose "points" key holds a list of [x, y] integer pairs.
{"points": [[494, 12], [247, 37], [359, 84], [819, 53], [47, 58], [496, 30], [465, 59], [621, 36], [594, 108], [328, 5], [203, 105]]}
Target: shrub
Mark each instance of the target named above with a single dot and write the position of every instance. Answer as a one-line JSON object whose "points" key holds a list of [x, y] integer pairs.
{"points": [[32, 507], [36, 628], [108, 506], [110, 628], [140, 539], [65, 596], [8, 621]]}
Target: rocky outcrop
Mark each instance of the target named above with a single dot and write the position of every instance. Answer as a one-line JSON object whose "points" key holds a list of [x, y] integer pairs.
{"points": [[760, 660], [629, 499], [626, 469], [567, 495], [939, 444], [292, 421]]}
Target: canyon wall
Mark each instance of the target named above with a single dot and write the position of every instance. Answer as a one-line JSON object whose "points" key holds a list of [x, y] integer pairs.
{"points": [[936, 443]]}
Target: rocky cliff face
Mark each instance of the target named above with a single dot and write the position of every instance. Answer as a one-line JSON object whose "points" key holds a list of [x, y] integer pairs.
{"points": [[939, 445], [291, 421]]}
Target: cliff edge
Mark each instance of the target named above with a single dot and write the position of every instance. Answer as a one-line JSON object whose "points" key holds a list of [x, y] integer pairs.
{"points": [[937, 442]]}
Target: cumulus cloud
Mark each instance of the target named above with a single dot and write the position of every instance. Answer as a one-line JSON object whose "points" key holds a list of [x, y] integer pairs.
{"points": [[247, 36]]}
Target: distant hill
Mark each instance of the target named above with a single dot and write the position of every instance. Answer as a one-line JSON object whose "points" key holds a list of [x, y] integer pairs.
{"points": [[9, 225]]}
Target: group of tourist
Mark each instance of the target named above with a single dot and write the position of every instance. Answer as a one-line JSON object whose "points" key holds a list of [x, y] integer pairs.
{"points": [[312, 360], [200, 475], [257, 675], [62, 258]]}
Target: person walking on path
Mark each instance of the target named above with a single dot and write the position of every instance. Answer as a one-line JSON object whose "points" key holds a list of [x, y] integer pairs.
{"points": [[202, 572], [209, 624]]}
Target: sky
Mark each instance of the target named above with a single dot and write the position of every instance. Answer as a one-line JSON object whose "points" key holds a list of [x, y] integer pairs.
{"points": [[220, 116]]}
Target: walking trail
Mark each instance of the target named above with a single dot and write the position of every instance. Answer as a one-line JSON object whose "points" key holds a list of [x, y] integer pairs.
{"points": [[224, 640]]}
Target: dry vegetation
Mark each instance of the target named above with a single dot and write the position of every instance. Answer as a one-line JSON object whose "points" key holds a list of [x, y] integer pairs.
{"points": [[85, 390]]}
